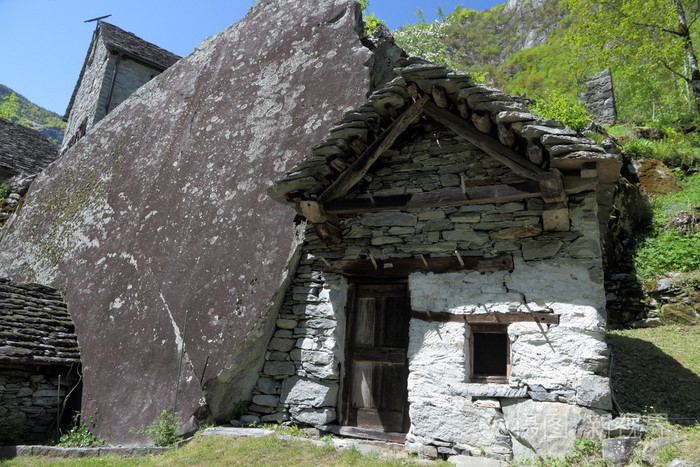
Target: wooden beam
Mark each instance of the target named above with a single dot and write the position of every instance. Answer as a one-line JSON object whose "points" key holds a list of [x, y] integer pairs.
{"points": [[486, 143], [359, 168], [443, 197], [313, 211], [487, 318], [402, 267], [453, 197]]}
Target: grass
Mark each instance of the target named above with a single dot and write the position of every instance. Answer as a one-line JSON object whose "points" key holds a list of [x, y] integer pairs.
{"points": [[657, 371], [664, 250], [222, 450]]}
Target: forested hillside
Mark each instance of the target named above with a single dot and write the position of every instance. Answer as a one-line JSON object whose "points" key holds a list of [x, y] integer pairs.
{"points": [[551, 47], [18, 109]]}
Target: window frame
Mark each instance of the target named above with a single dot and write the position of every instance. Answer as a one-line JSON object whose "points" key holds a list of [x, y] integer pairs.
{"points": [[488, 329]]}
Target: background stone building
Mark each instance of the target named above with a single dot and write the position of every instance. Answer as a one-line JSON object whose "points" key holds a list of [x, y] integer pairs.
{"points": [[22, 151], [39, 361], [117, 64]]}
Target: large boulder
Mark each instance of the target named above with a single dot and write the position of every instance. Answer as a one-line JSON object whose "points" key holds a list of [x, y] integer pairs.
{"points": [[157, 224]]}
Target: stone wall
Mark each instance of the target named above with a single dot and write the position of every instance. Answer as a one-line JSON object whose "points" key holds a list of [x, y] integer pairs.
{"points": [[28, 401], [556, 370], [84, 106], [599, 97]]}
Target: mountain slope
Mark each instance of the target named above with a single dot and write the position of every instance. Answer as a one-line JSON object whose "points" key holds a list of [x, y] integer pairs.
{"points": [[48, 123]]}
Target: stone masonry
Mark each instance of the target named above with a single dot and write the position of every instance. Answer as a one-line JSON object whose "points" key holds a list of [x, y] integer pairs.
{"points": [[558, 371], [599, 97], [39, 358]]}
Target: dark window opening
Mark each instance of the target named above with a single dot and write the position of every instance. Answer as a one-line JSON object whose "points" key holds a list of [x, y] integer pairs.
{"points": [[490, 351]]}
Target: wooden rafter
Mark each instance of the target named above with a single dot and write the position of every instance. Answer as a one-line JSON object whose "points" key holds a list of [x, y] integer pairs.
{"points": [[358, 169], [486, 143]]}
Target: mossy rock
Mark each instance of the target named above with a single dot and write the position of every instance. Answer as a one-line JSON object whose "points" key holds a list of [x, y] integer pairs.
{"points": [[679, 313]]}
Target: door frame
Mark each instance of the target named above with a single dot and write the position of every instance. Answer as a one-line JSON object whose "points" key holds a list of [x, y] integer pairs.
{"points": [[346, 373]]}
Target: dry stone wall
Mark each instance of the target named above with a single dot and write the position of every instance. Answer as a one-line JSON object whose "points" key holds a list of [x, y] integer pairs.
{"points": [[557, 370], [28, 401], [99, 65], [599, 97]]}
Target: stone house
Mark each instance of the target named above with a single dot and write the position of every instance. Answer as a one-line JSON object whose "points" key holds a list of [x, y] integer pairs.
{"points": [[116, 65], [22, 151], [450, 290], [39, 359]]}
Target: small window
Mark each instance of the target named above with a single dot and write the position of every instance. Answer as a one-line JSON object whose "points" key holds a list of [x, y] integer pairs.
{"points": [[490, 354]]}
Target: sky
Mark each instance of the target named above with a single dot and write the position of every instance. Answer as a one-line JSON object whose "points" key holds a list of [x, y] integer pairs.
{"points": [[43, 42]]}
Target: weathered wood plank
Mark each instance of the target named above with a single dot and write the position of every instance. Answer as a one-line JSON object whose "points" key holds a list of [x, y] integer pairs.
{"points": [[401, 267], [379, 355], [443, 197], [486, 143], [359, 168], [487, 318]]}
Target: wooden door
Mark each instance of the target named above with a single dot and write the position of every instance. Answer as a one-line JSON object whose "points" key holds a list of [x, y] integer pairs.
{"points": [[377, 374]]}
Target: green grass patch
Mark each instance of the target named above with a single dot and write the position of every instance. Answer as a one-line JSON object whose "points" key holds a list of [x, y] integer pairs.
{"points": [[657, 371], [664, 250], [223, 450]]}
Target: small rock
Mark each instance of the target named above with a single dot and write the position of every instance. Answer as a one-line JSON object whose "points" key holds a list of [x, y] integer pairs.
{"points": [[619, 450]]}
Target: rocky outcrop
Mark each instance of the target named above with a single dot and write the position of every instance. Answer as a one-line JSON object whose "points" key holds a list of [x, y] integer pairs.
{"points": [[599, 97], [157, 223]]}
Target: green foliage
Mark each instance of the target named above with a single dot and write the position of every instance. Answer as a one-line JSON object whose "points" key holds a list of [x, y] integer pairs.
{"points": [[80, 435], [164, 430], [685, 200], [562, 107], [3, 192], [668, 251], [9, 108], [585, 453], [639, 41]]}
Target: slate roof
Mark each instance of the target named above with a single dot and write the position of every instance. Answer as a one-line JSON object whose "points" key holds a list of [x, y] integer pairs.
{"points": [[560, 147], [116, 39], [128, 43], [23, 150], [35, 327]]}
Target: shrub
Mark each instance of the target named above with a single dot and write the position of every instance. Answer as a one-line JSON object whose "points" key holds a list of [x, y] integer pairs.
{"points": [[164, 430], [562, 107], [80, 435]]}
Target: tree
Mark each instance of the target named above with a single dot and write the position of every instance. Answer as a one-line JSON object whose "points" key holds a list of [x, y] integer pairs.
{"points": [[9, 108], [655, 33]]}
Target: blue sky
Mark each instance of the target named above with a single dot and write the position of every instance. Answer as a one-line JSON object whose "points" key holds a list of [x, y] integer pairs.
{"points": [[43, 42]]}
